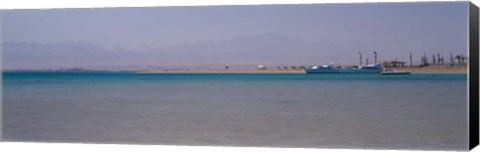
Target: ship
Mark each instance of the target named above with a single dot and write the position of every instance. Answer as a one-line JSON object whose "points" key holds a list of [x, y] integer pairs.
{"points": [[325, 69], [368, 69], [331, 68], [388, 71]]}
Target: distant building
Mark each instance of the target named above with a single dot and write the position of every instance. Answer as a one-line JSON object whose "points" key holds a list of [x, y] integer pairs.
{"points": [[397, 63]]}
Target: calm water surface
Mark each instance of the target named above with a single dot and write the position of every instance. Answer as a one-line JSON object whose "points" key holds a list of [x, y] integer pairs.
{"points": [[421, 111]]}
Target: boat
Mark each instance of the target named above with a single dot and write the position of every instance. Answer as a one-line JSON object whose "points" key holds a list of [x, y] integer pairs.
{"points": [[330, 68], [388, 71], [369, 69]]}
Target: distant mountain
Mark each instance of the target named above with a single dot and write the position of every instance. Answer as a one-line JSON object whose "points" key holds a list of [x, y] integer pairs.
{"points": [[268, 48]]}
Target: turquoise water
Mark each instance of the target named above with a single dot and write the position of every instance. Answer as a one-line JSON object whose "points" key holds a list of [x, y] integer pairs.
{"points": [[420, 111]]}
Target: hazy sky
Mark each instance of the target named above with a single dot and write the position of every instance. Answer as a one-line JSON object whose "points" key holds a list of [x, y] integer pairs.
{"points": [[392, 29]]}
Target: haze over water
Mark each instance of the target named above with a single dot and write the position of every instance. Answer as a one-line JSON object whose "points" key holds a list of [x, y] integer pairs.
{"points": [[420, 111]]}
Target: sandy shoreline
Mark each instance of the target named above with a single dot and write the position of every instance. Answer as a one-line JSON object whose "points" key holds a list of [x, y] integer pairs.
{"points": [[435, 69], [223, 71], [431, 69]]}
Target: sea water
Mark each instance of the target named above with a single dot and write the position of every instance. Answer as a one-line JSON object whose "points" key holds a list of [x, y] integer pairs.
{"points": [[418, 111]]}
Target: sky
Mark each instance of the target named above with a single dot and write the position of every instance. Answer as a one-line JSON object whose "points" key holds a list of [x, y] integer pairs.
{"points": [[215, 36]]}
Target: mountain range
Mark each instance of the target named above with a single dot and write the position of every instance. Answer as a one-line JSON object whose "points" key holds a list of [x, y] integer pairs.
{"points": [[273, 49]]}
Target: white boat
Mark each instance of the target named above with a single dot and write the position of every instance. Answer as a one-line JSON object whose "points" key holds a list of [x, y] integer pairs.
{"points": [[369, 69], [388, 71], [330, 68]]}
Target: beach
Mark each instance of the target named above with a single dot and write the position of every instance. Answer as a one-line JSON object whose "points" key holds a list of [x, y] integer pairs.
{"points": [[429, 69], [435, 69], [223, 71]]}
